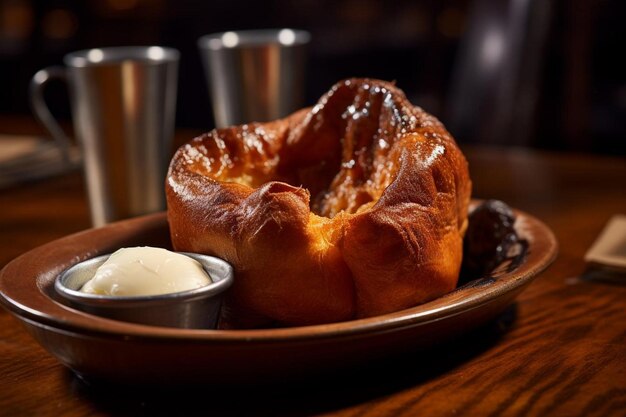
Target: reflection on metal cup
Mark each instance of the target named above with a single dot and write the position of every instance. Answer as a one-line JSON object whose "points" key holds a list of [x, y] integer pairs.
{"points": [[255, 75], [123, 107]]}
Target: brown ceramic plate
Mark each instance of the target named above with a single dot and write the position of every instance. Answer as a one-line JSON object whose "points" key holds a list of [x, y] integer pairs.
{"points": [[121, 351]]}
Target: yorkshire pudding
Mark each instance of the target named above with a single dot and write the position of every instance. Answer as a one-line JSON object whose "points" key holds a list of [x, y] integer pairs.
{"points": [[353, 208]]}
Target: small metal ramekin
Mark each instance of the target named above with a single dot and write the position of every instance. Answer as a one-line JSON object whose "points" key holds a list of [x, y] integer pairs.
{"points": [[192, 309]]}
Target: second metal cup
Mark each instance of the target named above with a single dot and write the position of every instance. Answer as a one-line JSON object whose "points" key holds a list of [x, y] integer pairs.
{"points": [[255, 75]]}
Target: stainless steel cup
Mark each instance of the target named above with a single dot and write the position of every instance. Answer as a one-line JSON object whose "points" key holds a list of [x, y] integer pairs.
{"points": [[255, 75], [192, 309], [123, 107]]}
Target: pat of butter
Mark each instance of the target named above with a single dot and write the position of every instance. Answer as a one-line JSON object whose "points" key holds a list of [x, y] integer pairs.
{"points": [[146, 271]]}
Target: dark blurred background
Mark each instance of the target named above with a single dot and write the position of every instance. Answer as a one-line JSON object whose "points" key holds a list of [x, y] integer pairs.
{"points": [[542, 73]]}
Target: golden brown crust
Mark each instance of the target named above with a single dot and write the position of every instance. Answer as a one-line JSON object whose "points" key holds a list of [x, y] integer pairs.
{"points": [[372, 221]]}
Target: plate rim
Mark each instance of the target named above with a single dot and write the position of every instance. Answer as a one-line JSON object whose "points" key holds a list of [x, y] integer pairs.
{"points": [[542, 251]]}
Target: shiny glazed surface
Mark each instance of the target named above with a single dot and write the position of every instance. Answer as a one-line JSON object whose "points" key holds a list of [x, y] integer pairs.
{"points": [[353, 208]]}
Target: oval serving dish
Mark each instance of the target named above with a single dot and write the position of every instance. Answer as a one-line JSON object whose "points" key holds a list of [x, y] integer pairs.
{"points": [[119, 351]]}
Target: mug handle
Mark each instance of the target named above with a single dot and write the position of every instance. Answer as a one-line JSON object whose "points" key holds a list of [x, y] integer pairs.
{"points": [[42, 112]]}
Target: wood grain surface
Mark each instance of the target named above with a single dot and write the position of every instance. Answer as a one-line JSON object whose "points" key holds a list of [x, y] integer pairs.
{"points": [[560, 350]]}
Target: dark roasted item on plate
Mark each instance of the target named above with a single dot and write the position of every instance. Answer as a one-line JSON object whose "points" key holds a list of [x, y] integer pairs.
{"points": [[353, 208], [489, 237]]}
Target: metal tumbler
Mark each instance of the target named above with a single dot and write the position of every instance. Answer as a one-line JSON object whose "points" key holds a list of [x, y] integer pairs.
{"points": [[123, 107], [255, 75]]}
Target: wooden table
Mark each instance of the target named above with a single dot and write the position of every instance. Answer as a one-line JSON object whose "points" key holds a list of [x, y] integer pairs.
{"points": [[560, 350]]}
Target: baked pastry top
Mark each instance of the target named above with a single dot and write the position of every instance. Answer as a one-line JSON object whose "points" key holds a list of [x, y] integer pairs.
{"points": [[352, 208]]}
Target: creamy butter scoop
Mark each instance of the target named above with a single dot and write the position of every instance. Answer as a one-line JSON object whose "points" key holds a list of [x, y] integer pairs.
{"points": [[146, 270]]}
